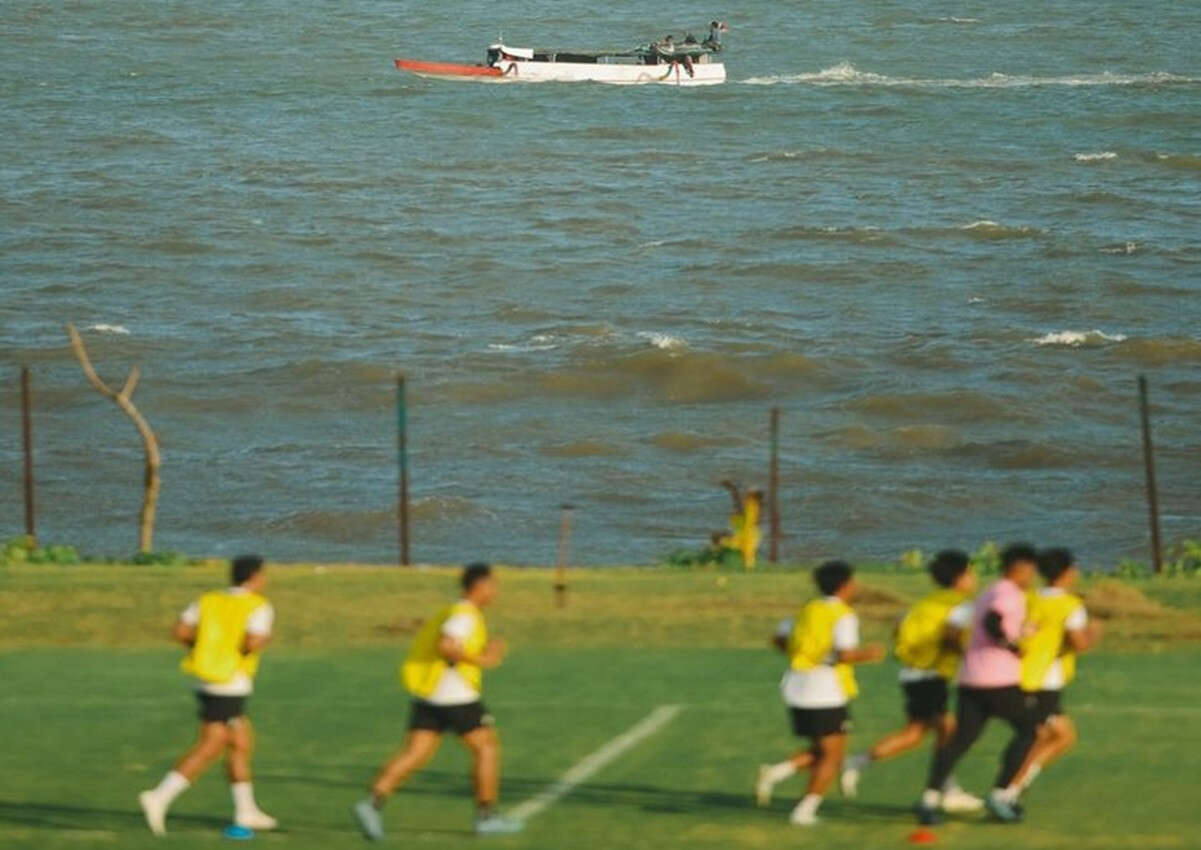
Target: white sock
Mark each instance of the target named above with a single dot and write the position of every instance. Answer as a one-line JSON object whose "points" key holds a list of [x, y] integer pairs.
{"points": [[1035, 770], [952, 784], [859, 761], [931, 799], [243, 794], [173, 784], [780, 772], [1008, 795], [807, 808]]}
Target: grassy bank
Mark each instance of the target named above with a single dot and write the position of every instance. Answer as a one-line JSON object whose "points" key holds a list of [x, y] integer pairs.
{"points": [[96, 710]]}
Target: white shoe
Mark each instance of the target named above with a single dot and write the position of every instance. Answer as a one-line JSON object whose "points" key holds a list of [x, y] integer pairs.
{"points": [[258, 820], [369, 819], [155, 812], [958, 801], [849, 782], [764, 787], [798, 818]]}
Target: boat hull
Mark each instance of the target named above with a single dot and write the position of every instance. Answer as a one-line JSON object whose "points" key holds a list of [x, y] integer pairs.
{"points": [[519, 71]]}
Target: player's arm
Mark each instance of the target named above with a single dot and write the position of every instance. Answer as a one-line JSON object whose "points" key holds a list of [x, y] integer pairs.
{"points": [[956, 629], [994, 627], [735, 497], [846, 644], [1082, 633], [184, 630], [258, 629], [779, 640], [184, 633], [452, 652]]}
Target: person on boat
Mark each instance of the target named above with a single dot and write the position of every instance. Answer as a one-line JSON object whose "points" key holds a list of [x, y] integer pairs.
{"points": [[713, 40]]}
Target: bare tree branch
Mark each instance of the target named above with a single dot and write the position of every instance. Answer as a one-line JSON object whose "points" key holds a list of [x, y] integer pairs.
{"points": [[124, 400]]}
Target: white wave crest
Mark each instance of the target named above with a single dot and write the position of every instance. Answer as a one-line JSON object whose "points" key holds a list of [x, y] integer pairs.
{"points": [[1123, 250], [846, 74], [1103, 156], [119, 330], [664, 342], [1078, 339]]}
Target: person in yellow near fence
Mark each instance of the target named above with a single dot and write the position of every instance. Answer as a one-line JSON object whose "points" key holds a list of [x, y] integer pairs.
{"points": [[821, 642], [225, 632], [443, 672], [1061, 630], [929, 644], [745, 535]]}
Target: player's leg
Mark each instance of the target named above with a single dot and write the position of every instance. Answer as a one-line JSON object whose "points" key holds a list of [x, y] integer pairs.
{"points": [[903, 740], [424, 738], [479, 736], [1020, 710], [237, 761], [831, 749], [971, 714], [954, 798], [211, 740], [420, 746], [770, 775], [1055, 736]]}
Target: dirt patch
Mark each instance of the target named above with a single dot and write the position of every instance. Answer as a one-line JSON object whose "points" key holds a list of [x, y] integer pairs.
{"points": [[1109, 599]]}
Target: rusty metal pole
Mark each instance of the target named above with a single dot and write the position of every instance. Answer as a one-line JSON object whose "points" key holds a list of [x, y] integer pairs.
{"points": [[564, 552], [773, 490], [27, 440], [402, 451], [1149, 466]]}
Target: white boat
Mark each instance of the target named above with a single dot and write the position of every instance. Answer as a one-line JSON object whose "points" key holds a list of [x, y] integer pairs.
{"points": [[665, 63]]}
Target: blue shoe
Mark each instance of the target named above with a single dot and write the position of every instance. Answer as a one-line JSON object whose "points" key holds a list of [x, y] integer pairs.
{"points": [[369, 819], [497, 825], [927, 816], [1002, 809]]}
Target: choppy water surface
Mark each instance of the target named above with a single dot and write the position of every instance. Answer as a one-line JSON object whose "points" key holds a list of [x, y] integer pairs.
{"points": [[943, 236]]}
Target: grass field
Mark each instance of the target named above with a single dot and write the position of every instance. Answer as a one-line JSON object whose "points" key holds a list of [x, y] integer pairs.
{"points": [[93, 710]]}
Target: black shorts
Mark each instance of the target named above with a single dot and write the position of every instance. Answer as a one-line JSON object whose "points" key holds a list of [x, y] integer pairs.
{"points": [[818, 722], [1047, 704], [926, 700], [1011, 704], [216, 709], [459, 718]]}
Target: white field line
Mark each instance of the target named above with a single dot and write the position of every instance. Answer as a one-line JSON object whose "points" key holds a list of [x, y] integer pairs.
{"points": [[596, 761]]}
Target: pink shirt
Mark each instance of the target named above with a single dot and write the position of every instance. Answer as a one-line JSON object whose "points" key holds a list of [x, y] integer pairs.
{"points": [[987, 664]]}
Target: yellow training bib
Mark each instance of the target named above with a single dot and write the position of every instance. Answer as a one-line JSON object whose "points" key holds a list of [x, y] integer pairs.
{"points": [[423, 667], [217, 655], [812, 642], [1048, 615], [920, 641]]}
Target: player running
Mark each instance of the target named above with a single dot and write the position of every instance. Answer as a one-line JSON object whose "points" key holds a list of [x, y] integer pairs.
{"points": [[444, 673], [1062, 629], [225, 632], [822, 643], [929, 643], [990, 686]]}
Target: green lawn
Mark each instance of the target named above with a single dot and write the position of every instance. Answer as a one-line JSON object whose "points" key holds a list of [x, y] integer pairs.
{"points": [[86, 728]]}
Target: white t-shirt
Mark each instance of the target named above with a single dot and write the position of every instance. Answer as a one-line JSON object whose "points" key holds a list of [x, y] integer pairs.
{"points": [[959, 618], [819, 687], [1077, 620], [260, 623], [452, 688]]}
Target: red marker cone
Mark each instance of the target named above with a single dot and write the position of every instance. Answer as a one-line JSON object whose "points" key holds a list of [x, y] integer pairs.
{"points": [[923, 836]]}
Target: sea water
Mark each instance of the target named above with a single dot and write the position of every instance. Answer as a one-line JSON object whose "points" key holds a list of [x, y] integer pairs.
{"points": [[943, 236]]}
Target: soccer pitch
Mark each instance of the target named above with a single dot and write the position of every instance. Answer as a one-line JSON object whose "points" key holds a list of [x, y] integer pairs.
{"points": [[90, 722]]}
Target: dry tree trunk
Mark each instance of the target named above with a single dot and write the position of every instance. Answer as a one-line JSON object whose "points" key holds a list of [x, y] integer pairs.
{"points": [[124, 400]]}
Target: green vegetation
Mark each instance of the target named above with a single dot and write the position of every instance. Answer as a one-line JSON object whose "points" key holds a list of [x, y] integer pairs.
{"points": [[95, 710]]}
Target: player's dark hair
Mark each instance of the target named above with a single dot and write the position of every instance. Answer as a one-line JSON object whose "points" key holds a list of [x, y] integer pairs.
{"points": [[1052, 563], [244, 568], [473, 573], [947, 566], [1016, 553], [832, 576]]}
